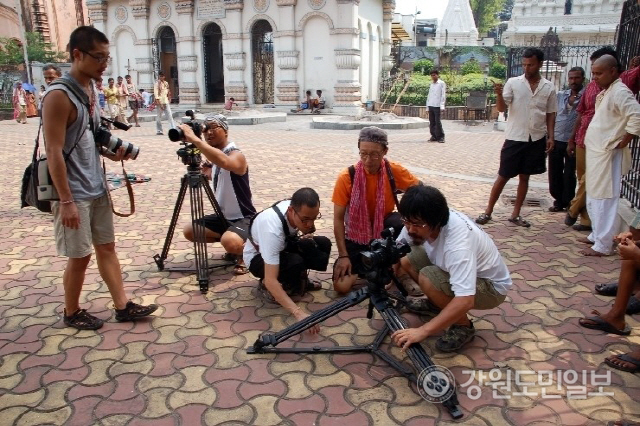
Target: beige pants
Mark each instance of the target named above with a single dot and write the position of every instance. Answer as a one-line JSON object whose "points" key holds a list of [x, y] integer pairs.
{"points": [[486, 296], [578, 206], [96, 227]]}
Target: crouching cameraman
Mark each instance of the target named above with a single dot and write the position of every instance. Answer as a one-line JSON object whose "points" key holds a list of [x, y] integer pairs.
{"points": [[456, 264], [83, 215], [230, 183], [279, 257]]}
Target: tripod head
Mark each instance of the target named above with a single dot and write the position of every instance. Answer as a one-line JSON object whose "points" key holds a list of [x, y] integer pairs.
{"points": [[383, 253], [190, 155]]}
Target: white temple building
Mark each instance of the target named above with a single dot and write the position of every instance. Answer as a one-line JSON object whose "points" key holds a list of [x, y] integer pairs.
{"points": [[256, 51], [457, 27], [577, 22]]}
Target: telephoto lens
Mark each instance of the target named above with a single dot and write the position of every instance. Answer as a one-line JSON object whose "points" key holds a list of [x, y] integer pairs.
{"points": [[112, 143], [175, 135]]}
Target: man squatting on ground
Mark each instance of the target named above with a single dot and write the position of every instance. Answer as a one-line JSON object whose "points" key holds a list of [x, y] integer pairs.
{"points": [[279, 257], [230, 184], [83, 216], [532, 107], [615, 123], [363, 204], [456, 264]]}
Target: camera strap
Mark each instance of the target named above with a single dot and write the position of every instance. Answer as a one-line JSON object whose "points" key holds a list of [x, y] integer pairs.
{"points": [[392, 181], [285, 227], [132, 204]]}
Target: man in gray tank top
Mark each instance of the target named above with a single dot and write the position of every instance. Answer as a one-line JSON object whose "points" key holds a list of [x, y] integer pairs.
{"points": [[83, 216]]}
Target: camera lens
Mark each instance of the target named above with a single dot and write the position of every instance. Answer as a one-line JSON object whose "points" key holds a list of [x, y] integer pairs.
{"points": [[175, 135]]}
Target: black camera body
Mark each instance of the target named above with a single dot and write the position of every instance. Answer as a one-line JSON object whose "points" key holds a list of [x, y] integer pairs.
{"points": [[176, 135], [103, 137], [383, 253]]}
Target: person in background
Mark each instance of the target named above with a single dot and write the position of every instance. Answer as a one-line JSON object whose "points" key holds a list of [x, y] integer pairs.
{"points": [[436, 104], [162, 96], [134, 97], [40, 94], [20, 104], [229, 104], [318, 102], [32, 108], [146, 97], [50, 72]]}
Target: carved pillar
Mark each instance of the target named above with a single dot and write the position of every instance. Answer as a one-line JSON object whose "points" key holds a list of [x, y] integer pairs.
{"points": [[287, 57], [139, 9], [97, 10], [144, 66], [235, 59], [388, 7], [189, 90], [347, 87]]}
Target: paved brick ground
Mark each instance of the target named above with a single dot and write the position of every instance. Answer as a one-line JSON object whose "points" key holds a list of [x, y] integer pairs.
{"points": [[188, 366]]}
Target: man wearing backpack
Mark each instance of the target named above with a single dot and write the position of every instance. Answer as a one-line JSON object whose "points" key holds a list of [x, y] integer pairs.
{"points": [[83, 215], [364, 199]]}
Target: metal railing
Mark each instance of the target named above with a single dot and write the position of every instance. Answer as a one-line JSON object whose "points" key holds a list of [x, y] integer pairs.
{"points": [[628, 46]]}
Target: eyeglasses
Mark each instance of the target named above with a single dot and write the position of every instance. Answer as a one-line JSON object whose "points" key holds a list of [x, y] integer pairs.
{"points": [[99, 59], [307, 220], [408, 223], [372, 155]]}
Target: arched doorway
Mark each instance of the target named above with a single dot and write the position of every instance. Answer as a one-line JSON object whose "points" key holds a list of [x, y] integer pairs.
{"points": [[262, 59], [213, 70], [166, 60]]}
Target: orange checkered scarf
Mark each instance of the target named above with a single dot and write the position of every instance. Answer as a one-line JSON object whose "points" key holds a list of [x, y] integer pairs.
{"points": [[359, 229]]}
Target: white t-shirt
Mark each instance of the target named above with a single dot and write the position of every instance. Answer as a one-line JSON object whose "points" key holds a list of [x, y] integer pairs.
{"points": [[268, 234], [466, 252]]}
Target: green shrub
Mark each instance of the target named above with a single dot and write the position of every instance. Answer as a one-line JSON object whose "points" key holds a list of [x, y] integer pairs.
{"points": [[498, 70], [470, 67], [423, 65]]}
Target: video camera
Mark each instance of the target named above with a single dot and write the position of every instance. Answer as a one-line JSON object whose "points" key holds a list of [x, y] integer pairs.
{"points": [[176, 135], [383, 253], [103, 136]]}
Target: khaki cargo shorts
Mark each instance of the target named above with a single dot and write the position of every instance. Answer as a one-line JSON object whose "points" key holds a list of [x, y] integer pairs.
{"points": [[96, 228], [486, 295]]}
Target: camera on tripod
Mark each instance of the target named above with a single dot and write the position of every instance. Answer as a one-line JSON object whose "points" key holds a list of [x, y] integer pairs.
{"points": [[103, 136], [176, 135], [384, 252]]}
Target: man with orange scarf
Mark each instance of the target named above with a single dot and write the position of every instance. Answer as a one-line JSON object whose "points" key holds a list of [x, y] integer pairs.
{"points": [[364, 203]]}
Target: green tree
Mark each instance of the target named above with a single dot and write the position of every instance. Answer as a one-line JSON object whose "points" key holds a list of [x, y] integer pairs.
{"points": [[485, 13], [423, 65], [471, 67], [11, 52]]}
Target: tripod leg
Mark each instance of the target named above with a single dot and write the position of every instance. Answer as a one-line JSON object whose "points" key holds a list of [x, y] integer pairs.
{"points": [[423, 364], [199, 239], [274, 339], [172, 226]]}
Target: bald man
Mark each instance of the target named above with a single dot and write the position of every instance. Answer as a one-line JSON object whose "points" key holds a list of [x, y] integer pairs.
{"points": [[616, 121]]}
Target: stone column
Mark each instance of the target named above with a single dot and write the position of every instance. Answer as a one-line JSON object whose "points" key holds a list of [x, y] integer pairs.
{"points": [[98, 14], [189, 91], [388, 7], [144, 59], [234, 56], [287, 57], [347, 56]]}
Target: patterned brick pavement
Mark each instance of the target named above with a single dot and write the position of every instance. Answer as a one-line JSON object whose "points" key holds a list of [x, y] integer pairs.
{"points": [[188, 366]]}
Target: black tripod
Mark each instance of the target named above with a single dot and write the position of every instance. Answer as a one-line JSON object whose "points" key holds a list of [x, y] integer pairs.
{"points": [[195, 181], [379, 299]]}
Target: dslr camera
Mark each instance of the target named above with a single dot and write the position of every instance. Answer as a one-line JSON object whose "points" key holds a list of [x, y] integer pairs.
{"points": [[384, 252], [103, 137], [176, 135]]}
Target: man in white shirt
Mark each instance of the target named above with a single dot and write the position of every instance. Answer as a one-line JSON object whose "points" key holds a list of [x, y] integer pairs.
{"points": [[529, 135], [279, 257], [456, 264], [435, 104], [608, 157]]}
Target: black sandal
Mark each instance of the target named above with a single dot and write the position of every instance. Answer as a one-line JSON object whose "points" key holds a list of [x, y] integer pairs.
{"points": [[134, 311], [518, 220], [610, 289], [483, 218], [82, 320]]}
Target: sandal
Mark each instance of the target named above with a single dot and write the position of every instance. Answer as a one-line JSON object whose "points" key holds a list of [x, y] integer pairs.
{"points": [[312, 286], [240, 269], [134, 311], [518, 220], [483, 218], [626, 358], [570, 220], [455, 337], [422, 306], [82, 320], [601, 324], [633, 307], [610, 289]]}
